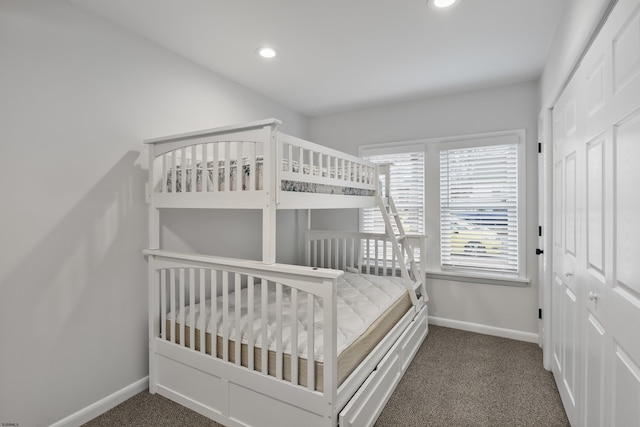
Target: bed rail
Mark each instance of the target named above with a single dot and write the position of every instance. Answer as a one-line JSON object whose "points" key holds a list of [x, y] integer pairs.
{"points": [[321, 173], [369, 253], [253, 166], [179, 283]]}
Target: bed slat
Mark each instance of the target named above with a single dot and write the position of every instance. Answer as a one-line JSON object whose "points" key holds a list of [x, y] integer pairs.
{"points": [[238, 317], [163, 304], [182, 304], [310, 343], [278, 331], [225, 316], [205, 168], [264, 295], [251, 305], [172, 299], [194, 172], [227, 166], [344, 253], [183, 169], [253, 168], [214, 311], [203, 311], [163, 178], [192, 311], [294, 336], [215, 168], [353, 256], [239, 166], [384, 259], [174, 174]]}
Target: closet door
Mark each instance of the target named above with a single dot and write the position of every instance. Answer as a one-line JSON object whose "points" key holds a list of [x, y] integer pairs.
{"points": [[624, 283], [595, 73], [565, 290], [597, 285]]}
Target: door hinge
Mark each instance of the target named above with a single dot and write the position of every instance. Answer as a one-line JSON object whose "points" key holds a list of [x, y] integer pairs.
{"points": [[539, 147], [539, 251], [539, 313], [539, 231]]}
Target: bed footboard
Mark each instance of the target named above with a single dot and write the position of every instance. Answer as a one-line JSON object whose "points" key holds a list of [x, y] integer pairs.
{"points": [[236, 293]]}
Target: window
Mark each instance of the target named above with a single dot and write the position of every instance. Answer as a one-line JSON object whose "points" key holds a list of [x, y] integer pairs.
{"points": [[479, 208], [467, 194], [407, 189], [406, 172]]}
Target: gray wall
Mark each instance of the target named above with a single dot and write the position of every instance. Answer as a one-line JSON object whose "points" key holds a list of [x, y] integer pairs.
{"points": [[77, 97], [510, 107]]}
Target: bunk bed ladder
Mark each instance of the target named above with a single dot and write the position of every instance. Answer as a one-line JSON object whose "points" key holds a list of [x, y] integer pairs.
{"points": [[402, 248]]}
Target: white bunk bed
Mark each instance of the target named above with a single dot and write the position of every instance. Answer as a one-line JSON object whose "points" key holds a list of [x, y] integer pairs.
{"points": [[318, 345]]}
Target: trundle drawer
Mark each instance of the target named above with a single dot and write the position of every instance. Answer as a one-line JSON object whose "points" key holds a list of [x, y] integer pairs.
{"points": [[365, 406], [412, 338]]}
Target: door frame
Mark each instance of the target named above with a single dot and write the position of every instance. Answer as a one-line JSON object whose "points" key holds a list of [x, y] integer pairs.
{"points": [[545, 212]]}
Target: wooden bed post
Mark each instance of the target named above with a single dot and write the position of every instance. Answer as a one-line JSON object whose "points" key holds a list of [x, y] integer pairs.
{"points": [[269, 212], [154, 213], [154, 322]]}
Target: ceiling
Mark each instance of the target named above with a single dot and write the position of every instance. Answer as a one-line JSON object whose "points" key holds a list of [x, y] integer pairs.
{"points": [[338, 55]]}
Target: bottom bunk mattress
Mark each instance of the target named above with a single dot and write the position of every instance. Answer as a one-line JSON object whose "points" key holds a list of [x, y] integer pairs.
{"points": [[367, 308]]}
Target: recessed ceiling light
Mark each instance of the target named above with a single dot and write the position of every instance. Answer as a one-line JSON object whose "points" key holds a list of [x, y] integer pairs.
{"points": [[267, 52], [442, 4]]}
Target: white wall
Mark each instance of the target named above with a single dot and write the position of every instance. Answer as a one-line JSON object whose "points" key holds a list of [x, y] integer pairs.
{"points": [[576, 26], [77, 96], [509, 107]]}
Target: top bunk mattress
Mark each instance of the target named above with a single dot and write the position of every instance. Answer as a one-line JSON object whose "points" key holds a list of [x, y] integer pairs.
{"points": [[250, 180]]}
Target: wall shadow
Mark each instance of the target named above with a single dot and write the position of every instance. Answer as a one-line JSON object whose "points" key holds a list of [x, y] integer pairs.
{"points": [[76, 305]]}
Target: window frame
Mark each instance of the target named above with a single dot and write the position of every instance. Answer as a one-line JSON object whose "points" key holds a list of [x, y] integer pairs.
{"points": [[432, 148]]}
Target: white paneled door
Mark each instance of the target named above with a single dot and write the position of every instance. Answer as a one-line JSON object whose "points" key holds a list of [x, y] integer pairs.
{"points": [[596, 237], [566, 250]]}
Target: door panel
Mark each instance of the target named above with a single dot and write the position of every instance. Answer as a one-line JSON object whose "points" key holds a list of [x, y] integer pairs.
{"points": [[570, 215], [626, 53], [626, 390], [570, 362], [594, 368], [595, 206], [557, 325], [627, 177], [557, 203]]}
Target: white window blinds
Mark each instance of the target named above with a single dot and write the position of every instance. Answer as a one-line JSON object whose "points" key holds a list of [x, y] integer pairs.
{"points": [[407, 190], [479, 208]]}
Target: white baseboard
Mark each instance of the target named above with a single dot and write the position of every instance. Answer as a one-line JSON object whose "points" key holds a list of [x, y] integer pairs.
{"points": [[484, 329], [103, 405]]}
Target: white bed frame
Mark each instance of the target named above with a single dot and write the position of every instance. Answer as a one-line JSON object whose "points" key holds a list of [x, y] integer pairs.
{"points": [[220, 387]]}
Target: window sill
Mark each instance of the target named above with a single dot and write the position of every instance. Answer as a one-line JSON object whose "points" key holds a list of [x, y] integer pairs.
{"points": [[484, 279]]}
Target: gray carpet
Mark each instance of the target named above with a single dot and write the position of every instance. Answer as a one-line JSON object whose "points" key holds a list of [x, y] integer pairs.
{"points": [[458, 378]]}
